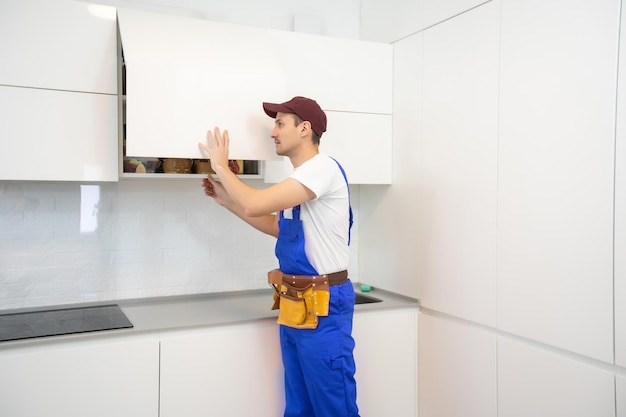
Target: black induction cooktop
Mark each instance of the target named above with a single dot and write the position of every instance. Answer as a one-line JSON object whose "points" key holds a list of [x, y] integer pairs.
{"points": [[26, 325]]}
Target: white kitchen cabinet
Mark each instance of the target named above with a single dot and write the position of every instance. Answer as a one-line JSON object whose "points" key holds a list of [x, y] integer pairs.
{"points": [[620, 210], [223, 371], [218, 74], [534, 382], [206, 371], [76, 379], [361, 143], [56, 135], [555, 173], [459, 165], [58, 91], [191, 75], [386, 362], [60, 45], [340, 74], [457, 369]]}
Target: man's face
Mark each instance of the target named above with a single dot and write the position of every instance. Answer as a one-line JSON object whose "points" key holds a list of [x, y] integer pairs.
{"points": [[286, 133]]}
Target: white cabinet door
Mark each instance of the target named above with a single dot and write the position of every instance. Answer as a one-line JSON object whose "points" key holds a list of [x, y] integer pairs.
{"points": [[361, 143], [457, 370], [186, 76], [555, 173], [532, 382], [78, 379], [459, 165], [340, 74], [224, 371], [61, 45], [57, 135], [386, 362]]}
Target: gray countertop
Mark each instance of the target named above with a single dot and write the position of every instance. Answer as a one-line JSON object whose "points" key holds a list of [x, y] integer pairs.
{"points": [[166, 314]]}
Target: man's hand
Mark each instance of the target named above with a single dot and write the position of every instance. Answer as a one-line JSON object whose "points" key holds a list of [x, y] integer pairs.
{"points": [[216, 148], [215, 190]]}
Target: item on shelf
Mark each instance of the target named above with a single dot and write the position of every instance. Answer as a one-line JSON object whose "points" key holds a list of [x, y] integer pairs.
{"points": [[202, 166], [234, 166], [251, 167], [177, 166], [141, 165]]}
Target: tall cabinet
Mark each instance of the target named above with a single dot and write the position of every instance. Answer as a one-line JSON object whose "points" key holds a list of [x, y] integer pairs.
{"points": [[459, 165], [555, 173], [517, 205]]}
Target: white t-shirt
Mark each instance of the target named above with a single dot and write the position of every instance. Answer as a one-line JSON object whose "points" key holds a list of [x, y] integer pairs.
{"points": [[325, 219]]}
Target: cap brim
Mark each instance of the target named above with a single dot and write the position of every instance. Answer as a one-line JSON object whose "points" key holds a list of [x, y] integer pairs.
{"points": [[272, 108]]}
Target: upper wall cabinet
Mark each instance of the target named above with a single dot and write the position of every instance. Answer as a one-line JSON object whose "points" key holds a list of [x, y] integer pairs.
{"points": [[58, 91], [185, 76], [59, 45], [341, 74], [360, 142], [57, 135]]}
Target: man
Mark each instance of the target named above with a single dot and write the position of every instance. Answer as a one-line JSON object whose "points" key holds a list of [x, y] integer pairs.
{"points": [[313, 228]]}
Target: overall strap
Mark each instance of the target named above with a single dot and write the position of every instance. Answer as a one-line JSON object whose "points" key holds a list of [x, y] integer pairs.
{"points": [[350, 205], [295, 213]]}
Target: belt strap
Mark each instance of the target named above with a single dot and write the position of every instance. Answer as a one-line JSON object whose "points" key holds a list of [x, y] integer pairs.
{"points": [[335, 278], [276, 277]]}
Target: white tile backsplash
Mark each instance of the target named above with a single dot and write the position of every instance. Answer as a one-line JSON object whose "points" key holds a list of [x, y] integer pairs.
{"points": [[68, 243]]}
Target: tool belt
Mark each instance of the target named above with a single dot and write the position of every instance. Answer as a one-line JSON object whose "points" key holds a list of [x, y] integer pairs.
{"points": [[301, 299]]}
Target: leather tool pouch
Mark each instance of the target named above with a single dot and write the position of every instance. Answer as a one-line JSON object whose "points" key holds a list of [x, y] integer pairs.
{"points": [[300, 306]]}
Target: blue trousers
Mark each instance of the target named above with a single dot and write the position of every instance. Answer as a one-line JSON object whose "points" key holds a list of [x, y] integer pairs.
{"points": [[319, 363]]}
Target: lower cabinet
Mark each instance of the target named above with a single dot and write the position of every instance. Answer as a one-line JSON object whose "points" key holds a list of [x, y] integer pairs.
{"points": [[620, 390], [230, 370], [222, 371], [77, 379], [386, 362], [537, 382], [237, 370]]}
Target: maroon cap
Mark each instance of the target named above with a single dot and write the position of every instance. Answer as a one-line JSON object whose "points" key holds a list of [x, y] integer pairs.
{"points": [[305, 108]]}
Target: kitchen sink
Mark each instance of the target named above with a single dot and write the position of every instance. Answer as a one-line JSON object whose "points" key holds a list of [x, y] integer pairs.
{"points": [[360, 298]]}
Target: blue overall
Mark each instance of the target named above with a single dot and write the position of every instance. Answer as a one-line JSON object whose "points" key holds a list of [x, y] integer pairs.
{"points": [[319, 364]]}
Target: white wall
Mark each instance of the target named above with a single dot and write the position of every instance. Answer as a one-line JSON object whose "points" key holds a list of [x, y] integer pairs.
{"points": [[155, 237], [69, 242], [332, 18], [510, 218]]}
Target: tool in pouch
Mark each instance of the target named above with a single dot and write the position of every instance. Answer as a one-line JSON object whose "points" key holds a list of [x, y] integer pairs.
{"points": [[300, 300]]}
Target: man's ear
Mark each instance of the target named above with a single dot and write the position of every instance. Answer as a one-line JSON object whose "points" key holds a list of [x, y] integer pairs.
{"points": [[305, 128]]}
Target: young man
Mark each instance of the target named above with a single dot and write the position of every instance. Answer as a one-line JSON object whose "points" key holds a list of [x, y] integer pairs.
{"points": [[313, 230]]}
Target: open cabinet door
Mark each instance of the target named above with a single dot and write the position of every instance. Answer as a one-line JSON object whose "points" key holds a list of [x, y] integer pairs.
{"points": [[185, 76]]}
